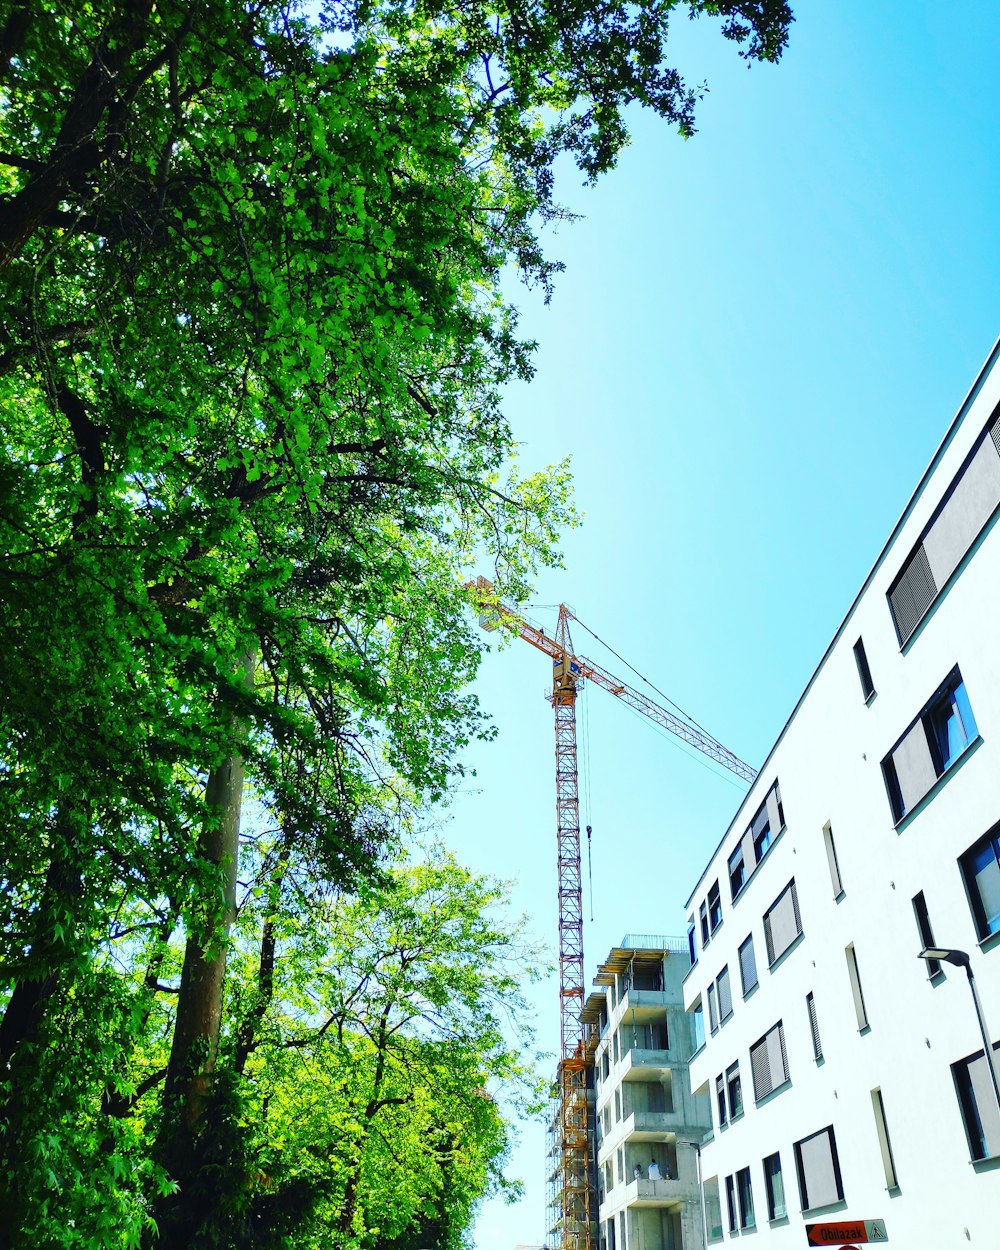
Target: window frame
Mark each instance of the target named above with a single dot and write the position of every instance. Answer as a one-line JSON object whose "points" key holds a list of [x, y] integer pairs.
{"points": [[759, 1093], [748, 941], [775, 1210], [817, 1042], [864, 670], [952, 693], [986, 926], [857, 992], [744, 1194], [835, 1161], [714, 901], [977, 1132], [733, 1082], [772, 956]]}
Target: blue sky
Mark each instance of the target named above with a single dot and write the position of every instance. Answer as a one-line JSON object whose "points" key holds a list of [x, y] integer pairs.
{"points": [[761, 336]]}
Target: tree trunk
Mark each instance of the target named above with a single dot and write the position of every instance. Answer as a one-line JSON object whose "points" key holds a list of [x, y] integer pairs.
{"points": [[199, 1003]]}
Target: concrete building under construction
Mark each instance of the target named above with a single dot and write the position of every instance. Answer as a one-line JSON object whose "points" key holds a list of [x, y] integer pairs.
{"points": [[648, 1125]]}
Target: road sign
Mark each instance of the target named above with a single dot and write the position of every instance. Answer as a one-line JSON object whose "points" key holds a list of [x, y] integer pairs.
{"points": [[844, 1232]]}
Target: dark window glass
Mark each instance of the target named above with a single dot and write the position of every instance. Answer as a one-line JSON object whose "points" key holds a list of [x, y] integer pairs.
{"points": [[924, 929], [714, 907], [978, 1104], [737, 871], [720, 1097], [734, 1089], [775, 1187], [731, 1202], [745, 1192], [864, 672], [692, 950], [981, 870]]}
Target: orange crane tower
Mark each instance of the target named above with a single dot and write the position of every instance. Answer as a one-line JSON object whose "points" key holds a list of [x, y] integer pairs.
{"points": [[569, 671]]}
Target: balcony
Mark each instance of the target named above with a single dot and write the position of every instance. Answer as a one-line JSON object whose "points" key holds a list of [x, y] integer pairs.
{"points": [[649, 1125], [643, 1193], [645, 1065]]}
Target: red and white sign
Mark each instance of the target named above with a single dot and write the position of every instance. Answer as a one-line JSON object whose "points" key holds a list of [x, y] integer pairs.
{"points": [[846, 1233]]}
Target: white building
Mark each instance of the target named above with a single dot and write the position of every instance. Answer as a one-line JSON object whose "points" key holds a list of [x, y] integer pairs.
{"points": [[647, 1174], [847, 1076]]}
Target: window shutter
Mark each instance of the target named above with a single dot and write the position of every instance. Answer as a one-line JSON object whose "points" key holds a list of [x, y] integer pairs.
{"points": [[748, 966], [782, 924], [912, 594], [986, 1103], [914, 766], [820, 1181], [814, 1027], [973, 498], [773, 814], [725, 995], [768, 1062]]}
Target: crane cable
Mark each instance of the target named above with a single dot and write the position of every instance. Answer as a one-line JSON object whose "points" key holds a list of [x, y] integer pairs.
{"points": [[645, 679], [586, 801]]}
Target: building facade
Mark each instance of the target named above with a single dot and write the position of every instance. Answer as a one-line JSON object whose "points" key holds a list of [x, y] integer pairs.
{"points": [[648, 1194], [847, 1075]]}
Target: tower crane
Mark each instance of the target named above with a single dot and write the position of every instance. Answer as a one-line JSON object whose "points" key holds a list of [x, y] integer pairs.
{"points": [[569, 672]]}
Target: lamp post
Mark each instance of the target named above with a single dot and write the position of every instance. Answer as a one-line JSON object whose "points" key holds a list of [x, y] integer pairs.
{"points": [[961, 960], [696, 1147]]}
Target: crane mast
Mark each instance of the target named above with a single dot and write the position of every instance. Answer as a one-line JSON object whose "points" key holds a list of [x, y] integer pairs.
{"points": [[569, 671]]}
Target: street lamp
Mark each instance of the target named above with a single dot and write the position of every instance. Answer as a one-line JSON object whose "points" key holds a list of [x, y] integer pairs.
{"points": [[696, 1147], [961, 960]]}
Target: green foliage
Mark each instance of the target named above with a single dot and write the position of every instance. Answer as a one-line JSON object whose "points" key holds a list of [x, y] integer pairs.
{"points": [[253, 338]]}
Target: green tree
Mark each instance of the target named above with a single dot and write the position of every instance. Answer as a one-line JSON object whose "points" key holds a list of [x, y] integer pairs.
{"points": [[253, 340]]}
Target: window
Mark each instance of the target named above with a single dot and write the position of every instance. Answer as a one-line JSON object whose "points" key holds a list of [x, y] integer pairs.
{"points": [[924, 930], [864, 672], [814, 1027], [745, 1194], [963, 513], [731, 1202], [703, 916], [713, 1208], [713, 1015], [720, 1098], [737, 871], [885, 1146], [692, 949], [782, 923], [981, 869], [856, 991], [775, 1187], [831, 859], [714, 907], [725, 995], [758, 837], [818, 1169], [734, 1091], [978, 1104], [698, 1027], [930, 746], [769, 1062], [748, 966]]}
